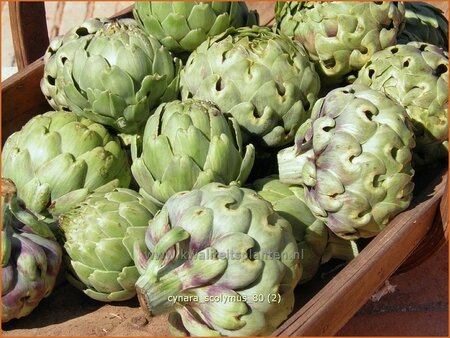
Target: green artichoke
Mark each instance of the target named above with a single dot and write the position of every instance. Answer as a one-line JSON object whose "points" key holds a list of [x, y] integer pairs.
{"points": [[354, 159], [416, 76], [100, 237], [182, 26], [316, 243], [223, 263], [110, 72], [424, 23], [340, 36], [186, 145], [31, 257], [58, 158], [264, 80]]}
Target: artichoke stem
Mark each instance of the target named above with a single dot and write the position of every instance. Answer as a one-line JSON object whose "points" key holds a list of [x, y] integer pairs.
{"points": [[158, 296], [290, 165], [341, 249]]}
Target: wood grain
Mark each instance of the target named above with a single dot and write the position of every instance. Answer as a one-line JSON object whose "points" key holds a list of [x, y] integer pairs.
{"points": [[21, 98], [265, 11], [29, 31]]}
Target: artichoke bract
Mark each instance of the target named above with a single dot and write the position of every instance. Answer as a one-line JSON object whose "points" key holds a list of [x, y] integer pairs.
{"points": [[31, 257], [316, 243], [354, 159], [264, 80], [186, 145], [424, 23], [100, 237], [58, 158], [340, 36], [416, 76], [222, 263], [111, 72], [182, 26]]}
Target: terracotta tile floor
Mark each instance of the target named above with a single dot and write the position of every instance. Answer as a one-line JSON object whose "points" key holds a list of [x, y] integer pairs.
{"points": [[418, 307]]}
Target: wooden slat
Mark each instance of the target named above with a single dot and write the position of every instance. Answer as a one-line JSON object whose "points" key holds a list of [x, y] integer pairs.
{"points": [[29, 31], [433, 240], [125, 13], [21, 95], [265, 11], [343, 296], [444, 211]]}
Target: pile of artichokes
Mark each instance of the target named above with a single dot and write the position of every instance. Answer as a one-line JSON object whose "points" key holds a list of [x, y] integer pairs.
{"points": [[210, 165]]}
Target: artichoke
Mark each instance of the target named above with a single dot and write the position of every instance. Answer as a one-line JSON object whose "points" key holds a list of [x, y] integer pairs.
{"points": [[188, 144], [340, 36], [316, 243], [58, 158], [110, 72], [223, 263], [424, 23], [354, 159], [31, 257], [264, 80], [100, 236], [416, 76], [183, 26]]}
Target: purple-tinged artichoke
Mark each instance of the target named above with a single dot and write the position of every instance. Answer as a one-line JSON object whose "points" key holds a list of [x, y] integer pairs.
{"points": [[354, 159], [31, 257], [340, 36], [222, 263]]}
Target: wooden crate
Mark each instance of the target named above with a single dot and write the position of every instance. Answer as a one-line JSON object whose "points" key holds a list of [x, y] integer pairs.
{"points": [[415, 233]]}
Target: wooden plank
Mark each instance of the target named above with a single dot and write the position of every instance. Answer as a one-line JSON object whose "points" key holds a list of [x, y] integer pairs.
{"points": [[29, 31], [433, 240], [443, 208], [340, 299], [21, 94], [8, 57], [265, 11]]}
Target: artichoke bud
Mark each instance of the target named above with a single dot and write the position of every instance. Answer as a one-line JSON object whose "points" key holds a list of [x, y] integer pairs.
{"points": [[340, 36], [200, 242], [183, 27], [76, 156], [349, 169], [104, 243], [188, 144], [31, 259], [264, 80], [415, 76], [113, 74], [424, 23], [316, 243]]}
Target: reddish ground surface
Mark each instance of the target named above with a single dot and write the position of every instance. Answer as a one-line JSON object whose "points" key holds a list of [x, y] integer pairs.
{"points": [[419, 306]]}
